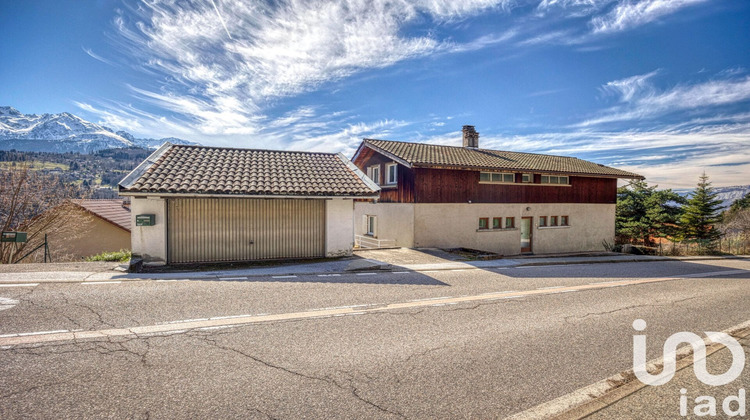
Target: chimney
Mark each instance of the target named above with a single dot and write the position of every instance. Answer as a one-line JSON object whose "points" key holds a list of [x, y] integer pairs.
{"points": [[471, 137]]}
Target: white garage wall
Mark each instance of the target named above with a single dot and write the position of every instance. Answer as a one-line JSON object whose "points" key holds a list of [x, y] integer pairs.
{"points": [[149, 242], [339, 227]]}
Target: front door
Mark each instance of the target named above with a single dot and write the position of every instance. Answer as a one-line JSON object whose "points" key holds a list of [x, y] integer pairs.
{"points": [[526, 234]]}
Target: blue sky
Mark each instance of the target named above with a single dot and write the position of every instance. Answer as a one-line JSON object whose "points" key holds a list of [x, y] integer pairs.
{"points": [[658, 87]]}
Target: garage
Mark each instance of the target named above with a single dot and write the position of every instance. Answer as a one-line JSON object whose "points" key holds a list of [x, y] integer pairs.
{"points": [[244, 229], [197, 204]]}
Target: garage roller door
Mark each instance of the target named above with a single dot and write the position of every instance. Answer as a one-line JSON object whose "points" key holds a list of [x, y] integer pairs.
{"points": [[233, 229]]}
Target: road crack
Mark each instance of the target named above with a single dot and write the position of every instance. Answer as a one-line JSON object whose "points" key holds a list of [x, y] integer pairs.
{"points": [[352, 389], [657, 304]]}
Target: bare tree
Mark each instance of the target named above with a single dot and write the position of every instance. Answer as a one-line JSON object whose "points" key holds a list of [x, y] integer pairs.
{"points": [[36, 203], [736, 228]]}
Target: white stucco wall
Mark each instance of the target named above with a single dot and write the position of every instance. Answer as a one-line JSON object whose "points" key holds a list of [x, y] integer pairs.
{"points": [[149, 242], [394, 221], [455, 225], [590, 224], [339, 227]]}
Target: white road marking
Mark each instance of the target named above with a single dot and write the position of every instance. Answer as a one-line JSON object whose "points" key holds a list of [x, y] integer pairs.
{"points": [[329, 275], [232, 278], [400, 272], [33, 333], [284, 277], [7, 303], [177, 328], [608, 282], [366, 274], [101, 282], [187, 320], [230, 316], [20, 285]]}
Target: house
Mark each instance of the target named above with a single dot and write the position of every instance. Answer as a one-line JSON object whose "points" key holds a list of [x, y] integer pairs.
{"points": [[100, 226], [210, 204], [497, 201]]}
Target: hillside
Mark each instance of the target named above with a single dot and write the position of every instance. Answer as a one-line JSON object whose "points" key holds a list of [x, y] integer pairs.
{"points": [[103, 168]]}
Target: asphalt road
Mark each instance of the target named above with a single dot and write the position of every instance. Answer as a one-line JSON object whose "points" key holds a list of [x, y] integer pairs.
{"points": [[446, 344]]}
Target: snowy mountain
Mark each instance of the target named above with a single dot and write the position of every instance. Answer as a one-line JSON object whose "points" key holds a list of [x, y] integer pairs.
{"points": [[64, 132], [727, 195]]}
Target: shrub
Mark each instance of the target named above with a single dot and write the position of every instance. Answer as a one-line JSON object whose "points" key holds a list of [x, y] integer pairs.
{"points": [[122, 255]]}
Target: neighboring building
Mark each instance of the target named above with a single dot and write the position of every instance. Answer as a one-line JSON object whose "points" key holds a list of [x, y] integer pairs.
{"points": [[100, 226], [209, 204], [504, 202]]}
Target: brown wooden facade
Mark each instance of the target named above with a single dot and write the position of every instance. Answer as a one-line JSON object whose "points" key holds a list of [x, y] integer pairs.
{"points": [[430, 185]]}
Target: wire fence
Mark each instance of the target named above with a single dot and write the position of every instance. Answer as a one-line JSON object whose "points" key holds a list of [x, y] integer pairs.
{"points": [[728, 244]]}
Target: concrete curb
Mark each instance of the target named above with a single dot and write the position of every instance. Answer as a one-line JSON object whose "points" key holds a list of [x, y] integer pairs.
{"points": [[218, 276], [588, 400]]}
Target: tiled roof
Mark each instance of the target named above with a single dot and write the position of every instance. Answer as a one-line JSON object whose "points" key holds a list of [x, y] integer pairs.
{"points": [[178, 169], [429, 155], [113, 211]]}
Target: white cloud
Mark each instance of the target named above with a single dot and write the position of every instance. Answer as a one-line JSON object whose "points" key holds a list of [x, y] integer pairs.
{"points": [[641, 100], [628, 88], [631, 13], [97, 57], [223, 63]]}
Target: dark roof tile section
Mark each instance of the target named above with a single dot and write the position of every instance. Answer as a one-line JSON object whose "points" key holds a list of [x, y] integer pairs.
{"points": [[113, 211], [213, 170], [429, 155]]}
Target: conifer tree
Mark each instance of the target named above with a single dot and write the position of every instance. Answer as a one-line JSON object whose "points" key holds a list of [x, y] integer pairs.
{"points": [[701, 214], [643, 212]]}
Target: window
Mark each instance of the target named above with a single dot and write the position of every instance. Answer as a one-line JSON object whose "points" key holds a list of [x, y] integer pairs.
{"points": [[371, 224], [554, 179], [510, 222], [497, 223], [391, 177], [484, 223], [374, 173], [563, 220], [553, 220], [527, 178], [497, 177], [542, 221]]}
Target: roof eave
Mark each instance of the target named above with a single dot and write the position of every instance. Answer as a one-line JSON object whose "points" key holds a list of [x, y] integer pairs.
{"points": [[139, 170], [361, 175], [536, 171], [389, 155], [263, 196]]}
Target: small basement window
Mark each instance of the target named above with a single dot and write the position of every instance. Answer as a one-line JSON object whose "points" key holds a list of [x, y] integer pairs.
{"points": [[497, 223], [484, 223], [391, 175], [542, 221], [499, 177], [510, 222]]}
